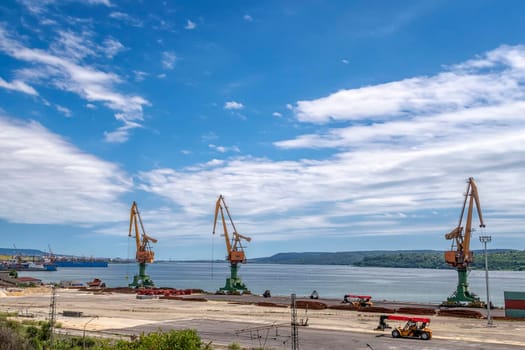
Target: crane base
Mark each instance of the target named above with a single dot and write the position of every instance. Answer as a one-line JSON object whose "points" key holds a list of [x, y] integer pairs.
{"points": [[234, 286], [462, 296], [141, 281]]}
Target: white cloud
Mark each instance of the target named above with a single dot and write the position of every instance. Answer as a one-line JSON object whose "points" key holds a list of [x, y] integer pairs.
{"points": [[112, 47], [75, 46], [38, 167], [91, 106], [277, 114], [38, 7], [345, 61], [450, 90], [102, 2], [209, 136], [398, 172], [140, 75], [224, 149], [233, 105], [68, 73], [64, 110], [126, 18], [17, 85], [168, 60], [190, 25], [248, 18], [289, 106]]}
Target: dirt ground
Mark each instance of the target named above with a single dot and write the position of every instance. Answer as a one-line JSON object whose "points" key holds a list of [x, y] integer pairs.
{"points": [[113, 311]]}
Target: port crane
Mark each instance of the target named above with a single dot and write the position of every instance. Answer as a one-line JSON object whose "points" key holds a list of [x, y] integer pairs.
{"points": [[144, 254], [234, 249], [460, 256]]}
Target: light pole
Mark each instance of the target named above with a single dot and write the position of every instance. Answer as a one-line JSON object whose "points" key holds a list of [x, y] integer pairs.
{"points": [[485, 240], [84, 334]]}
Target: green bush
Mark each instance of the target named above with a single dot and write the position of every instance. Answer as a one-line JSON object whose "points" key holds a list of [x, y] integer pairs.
{"points": [[172, 340], [36, 336], [12, 340]]}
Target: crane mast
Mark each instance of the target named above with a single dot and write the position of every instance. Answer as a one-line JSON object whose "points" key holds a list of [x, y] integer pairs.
{"points": [[460, 256], [234, 249], [144, 255]]}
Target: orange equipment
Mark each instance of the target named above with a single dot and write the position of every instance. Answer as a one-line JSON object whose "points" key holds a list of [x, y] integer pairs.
{"points": [[416, 327], [234, 249], [358, 300], [460, 256], [144, 254]]}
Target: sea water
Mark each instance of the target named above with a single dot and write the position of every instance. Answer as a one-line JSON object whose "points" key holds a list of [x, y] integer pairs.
{"points": [[330, 281]]}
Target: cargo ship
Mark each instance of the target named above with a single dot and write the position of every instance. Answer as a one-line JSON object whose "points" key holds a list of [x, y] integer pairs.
{"points": [[69, 262]]}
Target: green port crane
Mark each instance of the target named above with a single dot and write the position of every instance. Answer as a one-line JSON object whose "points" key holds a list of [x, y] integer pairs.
{"points": [[460, 256], [234, 248], [144, 254]]}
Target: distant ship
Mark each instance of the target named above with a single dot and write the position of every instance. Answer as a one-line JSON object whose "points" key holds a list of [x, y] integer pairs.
{"points": [[27, 266], [79, 262]]}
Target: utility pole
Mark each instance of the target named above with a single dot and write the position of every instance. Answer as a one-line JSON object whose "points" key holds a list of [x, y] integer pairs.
{"points": [[52, 313], [485, 240], [84, 333], [295, 333]]}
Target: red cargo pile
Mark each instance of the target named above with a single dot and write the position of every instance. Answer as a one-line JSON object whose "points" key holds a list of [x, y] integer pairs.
{"points": [[416, 311], [460, 313], [344, 307], [312, 305], [164, 292]]}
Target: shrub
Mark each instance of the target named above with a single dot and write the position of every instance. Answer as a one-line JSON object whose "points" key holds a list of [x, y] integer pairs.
{"points": [[234, 346], [11, 340]]}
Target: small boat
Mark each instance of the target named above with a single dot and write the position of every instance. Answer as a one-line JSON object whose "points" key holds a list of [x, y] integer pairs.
{"points": [[96, 283]]}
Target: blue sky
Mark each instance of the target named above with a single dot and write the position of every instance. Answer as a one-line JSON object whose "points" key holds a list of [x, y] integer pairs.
{"points": [[327, 126]]}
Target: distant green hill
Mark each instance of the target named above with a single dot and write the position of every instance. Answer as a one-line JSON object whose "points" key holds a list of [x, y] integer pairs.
{"points": [[22, 252], [499, 259]]}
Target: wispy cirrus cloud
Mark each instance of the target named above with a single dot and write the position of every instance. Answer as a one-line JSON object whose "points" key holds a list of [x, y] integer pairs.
{"points": [[111, 47], [190, 25], [168, 60], [126, 18], [224, 149], [233, 105], [38, 7], [64, 110], [17, 85], [64, 63]]}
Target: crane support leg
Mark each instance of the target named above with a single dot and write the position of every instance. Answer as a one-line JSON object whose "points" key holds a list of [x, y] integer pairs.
{"points": [[234, 284], [462, 296], [142, 280]]}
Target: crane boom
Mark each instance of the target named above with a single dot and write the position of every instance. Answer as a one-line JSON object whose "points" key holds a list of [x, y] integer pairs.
{"points": [[462, 255], [234, 247], [144, 253]]}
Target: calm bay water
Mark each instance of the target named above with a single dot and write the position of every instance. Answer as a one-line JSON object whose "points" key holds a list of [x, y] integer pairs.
{"points": [[331, 281]]}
